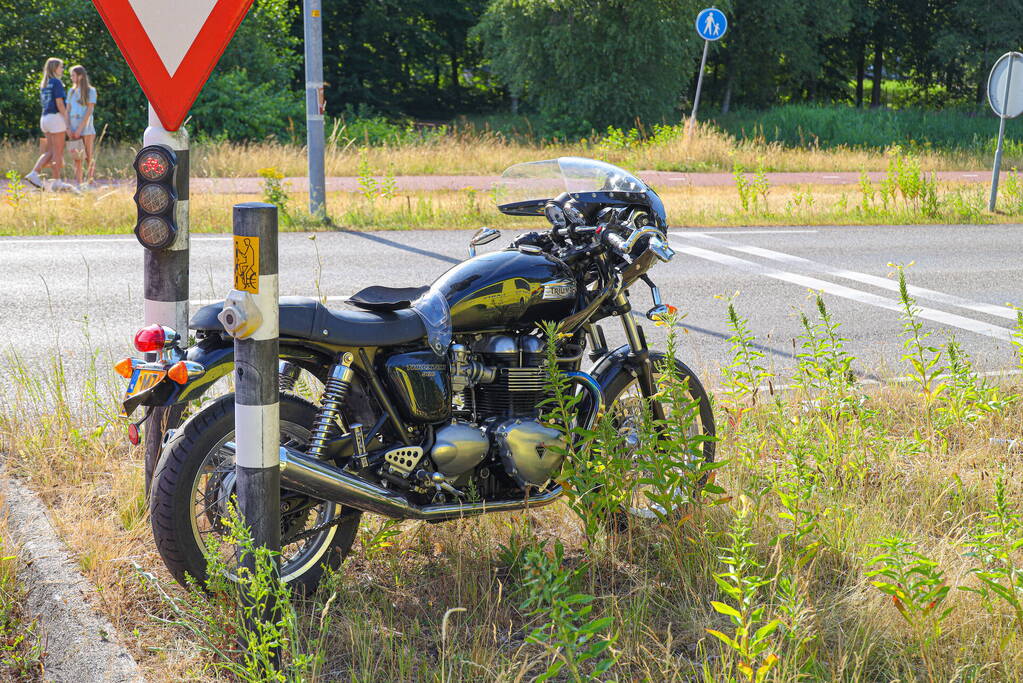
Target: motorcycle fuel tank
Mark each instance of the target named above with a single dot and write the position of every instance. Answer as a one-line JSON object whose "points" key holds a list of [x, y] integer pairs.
{"points": [[508, 289]]}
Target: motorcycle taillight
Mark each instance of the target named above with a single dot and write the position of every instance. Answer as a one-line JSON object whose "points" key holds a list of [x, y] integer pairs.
{"points": [[150, 338]]}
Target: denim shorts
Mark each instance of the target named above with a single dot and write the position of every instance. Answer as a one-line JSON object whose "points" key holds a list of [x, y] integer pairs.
{"points": [[88, 130]]}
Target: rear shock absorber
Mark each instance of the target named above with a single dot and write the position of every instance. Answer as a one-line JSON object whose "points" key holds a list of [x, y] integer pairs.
{"points": [[335, 392]]}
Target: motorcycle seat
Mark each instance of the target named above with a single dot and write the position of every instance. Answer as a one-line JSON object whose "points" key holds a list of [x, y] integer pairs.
{"points": [[378, 298], [306, 318]]}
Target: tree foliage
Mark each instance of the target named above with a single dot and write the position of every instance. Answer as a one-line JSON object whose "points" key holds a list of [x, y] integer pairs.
{"points": [[587, 64], [578, 65]]}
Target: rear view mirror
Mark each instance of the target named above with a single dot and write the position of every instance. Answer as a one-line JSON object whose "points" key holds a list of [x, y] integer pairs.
{"points": [[482, 236]]}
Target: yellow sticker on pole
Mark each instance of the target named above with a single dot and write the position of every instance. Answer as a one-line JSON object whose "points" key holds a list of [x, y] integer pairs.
{"points": [[315, 12], [246, 264]]}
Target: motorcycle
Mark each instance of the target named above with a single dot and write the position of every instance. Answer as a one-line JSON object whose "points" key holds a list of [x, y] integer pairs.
{"points": [[432, 397]]}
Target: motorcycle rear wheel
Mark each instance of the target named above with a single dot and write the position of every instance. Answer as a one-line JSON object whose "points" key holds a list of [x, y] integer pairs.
{"points": [[195, 478]]}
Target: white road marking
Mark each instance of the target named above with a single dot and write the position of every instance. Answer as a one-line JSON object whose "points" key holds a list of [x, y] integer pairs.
{"points": [[951, 319], [831, 177], [864, 381], [864, 278], [746, 232], [970, 175]]}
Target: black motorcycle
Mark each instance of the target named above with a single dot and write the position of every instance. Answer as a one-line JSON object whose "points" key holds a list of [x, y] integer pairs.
{"points": [[430, 405]]}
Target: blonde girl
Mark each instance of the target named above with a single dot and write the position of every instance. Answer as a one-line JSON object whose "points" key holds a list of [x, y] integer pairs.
{"points": [[81, 100], [54, 123]]}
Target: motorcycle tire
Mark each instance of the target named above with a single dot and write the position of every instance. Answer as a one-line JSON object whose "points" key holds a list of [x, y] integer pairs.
{"points": [[187, 458], [625, 381]]}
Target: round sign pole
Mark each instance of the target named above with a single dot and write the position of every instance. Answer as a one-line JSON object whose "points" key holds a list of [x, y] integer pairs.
{"points": [[699, 87], [1007, 104], [711, 24]]}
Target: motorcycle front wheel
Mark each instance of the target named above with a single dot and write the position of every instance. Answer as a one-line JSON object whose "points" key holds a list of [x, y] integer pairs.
{"points": [[195, 480], [627, 408]]}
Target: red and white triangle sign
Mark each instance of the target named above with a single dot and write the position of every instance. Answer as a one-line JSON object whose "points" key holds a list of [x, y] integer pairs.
{"points": [[172, 46]]}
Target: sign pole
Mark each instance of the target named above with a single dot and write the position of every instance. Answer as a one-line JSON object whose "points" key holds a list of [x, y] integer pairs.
{"points": [[1001, 138], [314, 106], [256, 398], [699, 87], [166, 281]]}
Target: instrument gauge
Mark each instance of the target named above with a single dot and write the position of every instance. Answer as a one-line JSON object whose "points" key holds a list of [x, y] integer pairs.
{"points": [[555, 215], [574, 215]]}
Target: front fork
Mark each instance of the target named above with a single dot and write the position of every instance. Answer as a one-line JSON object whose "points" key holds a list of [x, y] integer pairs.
{"points": [[639, 355]]}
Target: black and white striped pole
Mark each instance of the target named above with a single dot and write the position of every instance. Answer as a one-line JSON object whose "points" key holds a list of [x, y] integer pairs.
{"points": [[251, 316], [164, 233]]}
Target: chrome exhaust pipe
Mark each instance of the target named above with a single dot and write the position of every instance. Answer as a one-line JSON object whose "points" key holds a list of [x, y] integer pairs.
{"points": [[319, 479]]}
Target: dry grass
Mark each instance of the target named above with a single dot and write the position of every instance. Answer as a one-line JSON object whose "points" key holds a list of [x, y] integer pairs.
{"points": [[22, 647], [887, 466], [470, 152], [113, 211]]}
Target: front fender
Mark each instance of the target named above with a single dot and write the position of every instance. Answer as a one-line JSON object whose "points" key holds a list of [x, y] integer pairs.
{"points": [[606, 371]]}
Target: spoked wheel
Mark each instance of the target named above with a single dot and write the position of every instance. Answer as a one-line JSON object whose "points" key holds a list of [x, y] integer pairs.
{"points": [[195, 481], [627, 409]]}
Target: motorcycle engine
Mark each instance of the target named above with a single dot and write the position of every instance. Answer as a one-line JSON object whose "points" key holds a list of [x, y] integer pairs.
{"points": [[502, 383]]}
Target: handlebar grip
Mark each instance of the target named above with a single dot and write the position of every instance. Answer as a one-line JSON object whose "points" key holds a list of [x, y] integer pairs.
{"points": [[616, 242]]}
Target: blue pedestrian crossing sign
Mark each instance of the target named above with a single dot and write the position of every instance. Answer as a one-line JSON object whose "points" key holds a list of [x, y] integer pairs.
{"points": [[711, 23]]}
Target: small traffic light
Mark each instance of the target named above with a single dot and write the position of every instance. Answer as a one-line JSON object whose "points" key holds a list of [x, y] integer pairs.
{"points": [[156, 197]]}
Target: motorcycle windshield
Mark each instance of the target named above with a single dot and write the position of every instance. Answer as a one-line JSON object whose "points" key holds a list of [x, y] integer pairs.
{"points": [[433, 310], [538, 181]]}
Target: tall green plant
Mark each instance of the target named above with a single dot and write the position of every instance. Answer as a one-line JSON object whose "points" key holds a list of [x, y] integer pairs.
{"points": [[750, 642], [918, 590], [577, 643], [925, 359], [744, 374], [995, 543]]}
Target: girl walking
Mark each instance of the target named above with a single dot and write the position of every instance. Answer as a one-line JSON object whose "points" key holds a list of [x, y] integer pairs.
{"points": [[54, 122], [81, 100]]}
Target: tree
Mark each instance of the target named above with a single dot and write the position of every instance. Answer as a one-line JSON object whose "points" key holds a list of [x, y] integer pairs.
{"points": [[403, 57], [776, 50], [587, 64]]}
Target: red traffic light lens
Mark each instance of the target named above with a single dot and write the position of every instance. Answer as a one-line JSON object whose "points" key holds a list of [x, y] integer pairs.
{"points": [[153, 165], [154, 198], [154, 232], [150, 338]]}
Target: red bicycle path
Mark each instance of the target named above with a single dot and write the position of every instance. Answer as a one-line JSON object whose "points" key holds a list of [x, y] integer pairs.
{"points": [[657, 179]]}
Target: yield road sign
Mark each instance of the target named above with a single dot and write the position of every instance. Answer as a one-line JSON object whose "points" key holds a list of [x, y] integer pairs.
{"points": [[711, 23], [172, 47], [1005, 85]]}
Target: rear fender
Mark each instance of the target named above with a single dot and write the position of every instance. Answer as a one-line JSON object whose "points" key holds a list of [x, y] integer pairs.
{"points": [[216, 355]]}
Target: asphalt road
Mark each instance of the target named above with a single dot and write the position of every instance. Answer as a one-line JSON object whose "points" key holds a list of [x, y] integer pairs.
{"points": [[81, 298]]}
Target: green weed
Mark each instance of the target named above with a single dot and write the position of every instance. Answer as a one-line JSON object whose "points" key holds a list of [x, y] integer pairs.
{"points": [[918, 590], [574, 640], [750, 642], [275, 191]]}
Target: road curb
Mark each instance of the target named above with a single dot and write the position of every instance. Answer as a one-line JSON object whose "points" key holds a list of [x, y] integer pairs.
{"points": [[81, 644]]}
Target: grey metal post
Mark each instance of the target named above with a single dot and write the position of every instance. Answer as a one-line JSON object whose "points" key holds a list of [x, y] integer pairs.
{"points": [[699, 87], [256, 409], [166, 281], [313, 29], [1001, 138]]}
